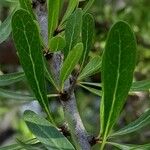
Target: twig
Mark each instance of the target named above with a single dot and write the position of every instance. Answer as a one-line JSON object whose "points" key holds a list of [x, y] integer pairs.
{"points": [[68, 100]]}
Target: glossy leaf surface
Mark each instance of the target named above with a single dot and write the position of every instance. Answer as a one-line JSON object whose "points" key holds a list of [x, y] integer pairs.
{"points": [[70, 62], [27, 42], [118, 65]]}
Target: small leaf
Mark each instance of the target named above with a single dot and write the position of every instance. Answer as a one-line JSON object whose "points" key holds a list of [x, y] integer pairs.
{"points": [[73, 30], [92, 84], [49, 77], [19, 96], [8, 79], [46, 133], [142, 121], [130, 146], [57, 43], [91, 68], [71, 7], [21, 145], [11, 147], [15, 95], [5, 28], [140, 86], [87, 35], [118, 65], [70, 62], [53, 16], [121, 146], [88, 6], [92, 90], [28, 45], [26, 4]]}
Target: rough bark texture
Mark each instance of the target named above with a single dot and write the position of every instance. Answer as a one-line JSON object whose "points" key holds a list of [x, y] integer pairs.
{"points": [[78, 132]]}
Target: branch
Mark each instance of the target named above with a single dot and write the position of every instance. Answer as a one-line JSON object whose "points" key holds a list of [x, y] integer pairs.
{"points": [[67, 98]]}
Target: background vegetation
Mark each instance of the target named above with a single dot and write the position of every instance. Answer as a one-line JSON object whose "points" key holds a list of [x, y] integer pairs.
{"points": [[106, 12]]}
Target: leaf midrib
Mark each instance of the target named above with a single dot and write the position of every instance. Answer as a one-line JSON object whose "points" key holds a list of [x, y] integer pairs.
{"points": [[130, 128], [47, 135], [116, 87], [33, 66]]}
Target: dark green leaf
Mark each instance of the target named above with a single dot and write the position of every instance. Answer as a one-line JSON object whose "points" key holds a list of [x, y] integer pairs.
{"points": [[87, 35], [46, 133], [140, 86], [27, 41], [141, 122], [8, 79], [57, 43], [26, 4], [91, 68], [118, 65], [53, 16], [73, 30], [70, 62]]}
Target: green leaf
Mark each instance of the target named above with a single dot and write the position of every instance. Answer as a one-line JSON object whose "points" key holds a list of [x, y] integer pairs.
{"points": [[70, 62], [46, 133], [140, 86], [87, 35], [8, 79], [141, 122], [121, 146], [91, 68], [34, 145], [73, 30], [26, 4], [5, 28], [88, 6], [53, 16], [12, 147], [92, 90], [130, 146], [50, 77], [57, 43], [92, 84], [118, 65], [27, 42], [19, 96], [71, 7], [15, 95]]}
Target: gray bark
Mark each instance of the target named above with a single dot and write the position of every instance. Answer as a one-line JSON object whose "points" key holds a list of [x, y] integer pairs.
{"points": [[76, 127]]}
